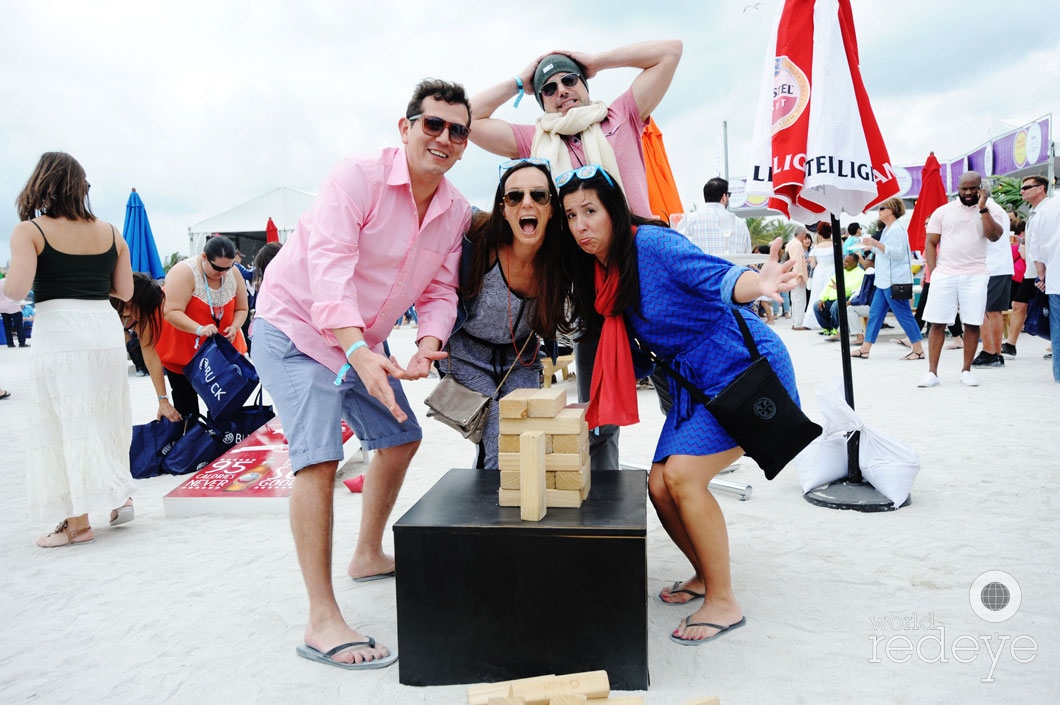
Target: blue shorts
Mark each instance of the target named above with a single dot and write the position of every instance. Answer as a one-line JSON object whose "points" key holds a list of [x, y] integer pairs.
{"points": [[310, 405]]}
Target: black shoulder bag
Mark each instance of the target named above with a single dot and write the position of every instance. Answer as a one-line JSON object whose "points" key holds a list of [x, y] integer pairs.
{"points": [[755, 409]]}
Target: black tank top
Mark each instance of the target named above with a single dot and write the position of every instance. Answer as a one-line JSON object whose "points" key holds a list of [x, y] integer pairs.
{"points": [[61, 275]]}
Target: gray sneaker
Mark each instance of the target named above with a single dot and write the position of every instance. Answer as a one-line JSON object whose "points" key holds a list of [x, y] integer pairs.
{"points": [[1008, 349]]}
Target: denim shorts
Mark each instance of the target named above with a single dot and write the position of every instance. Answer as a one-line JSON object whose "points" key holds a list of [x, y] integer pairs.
{"points": [[310, 405]]}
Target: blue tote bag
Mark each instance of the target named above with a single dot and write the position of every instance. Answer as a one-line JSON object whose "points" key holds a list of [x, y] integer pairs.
{"points": [[1037, 322], [244, 421], [200, 446], [151, 442], [221, 376]]}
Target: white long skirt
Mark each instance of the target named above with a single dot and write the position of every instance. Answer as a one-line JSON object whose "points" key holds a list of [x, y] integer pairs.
{"points": [[81, 414]]}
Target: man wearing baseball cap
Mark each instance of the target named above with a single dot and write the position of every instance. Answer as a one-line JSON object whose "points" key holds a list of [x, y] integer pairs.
{"points": [[574, 129]]}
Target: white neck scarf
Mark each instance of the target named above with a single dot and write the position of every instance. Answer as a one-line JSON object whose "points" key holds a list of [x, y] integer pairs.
{"points": [[584, 121]]}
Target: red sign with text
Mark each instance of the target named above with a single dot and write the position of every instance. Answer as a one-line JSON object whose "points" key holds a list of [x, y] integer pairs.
{"points": [[252, 477]]}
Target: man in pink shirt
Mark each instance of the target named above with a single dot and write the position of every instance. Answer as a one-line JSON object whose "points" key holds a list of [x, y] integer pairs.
{"points": [[958, 271], [384, 234], [574, 131]]}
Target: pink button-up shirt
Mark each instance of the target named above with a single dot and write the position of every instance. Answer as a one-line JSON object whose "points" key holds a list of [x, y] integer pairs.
{"points": [[360, 257]]}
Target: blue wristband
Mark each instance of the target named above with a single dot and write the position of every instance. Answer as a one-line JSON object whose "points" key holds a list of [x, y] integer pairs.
{"points": [[346, 368], [519, 85]]}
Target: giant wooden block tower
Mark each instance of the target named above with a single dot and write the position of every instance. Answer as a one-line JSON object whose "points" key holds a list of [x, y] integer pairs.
{"points": [[544, 452]]}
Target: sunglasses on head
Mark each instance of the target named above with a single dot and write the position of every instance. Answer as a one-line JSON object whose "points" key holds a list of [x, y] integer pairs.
{"points": [[219, 269], [570, 81], [512, 163], [434, 126], [515, 197], [583, 173]]}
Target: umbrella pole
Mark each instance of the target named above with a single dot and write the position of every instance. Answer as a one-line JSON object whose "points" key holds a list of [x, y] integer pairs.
{"points": [[853, 492], [853, 443]]}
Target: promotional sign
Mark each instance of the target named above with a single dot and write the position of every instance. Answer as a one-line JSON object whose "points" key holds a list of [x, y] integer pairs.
{"points": [[252, 477]]}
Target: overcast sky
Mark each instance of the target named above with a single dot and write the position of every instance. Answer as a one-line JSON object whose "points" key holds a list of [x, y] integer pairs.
{"points": [[203, 105]]}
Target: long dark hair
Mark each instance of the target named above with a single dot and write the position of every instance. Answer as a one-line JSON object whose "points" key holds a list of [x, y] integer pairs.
{"points": [[622, 253], [57, 188], [262, 260], [553, 289], [147, 298]]}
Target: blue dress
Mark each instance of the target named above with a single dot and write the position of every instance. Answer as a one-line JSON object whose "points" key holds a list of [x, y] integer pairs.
{"points": [[687, 318]]}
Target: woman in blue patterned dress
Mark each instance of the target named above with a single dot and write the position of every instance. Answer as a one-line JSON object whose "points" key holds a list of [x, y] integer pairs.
{"points": [[511, 265], [682, 304]]}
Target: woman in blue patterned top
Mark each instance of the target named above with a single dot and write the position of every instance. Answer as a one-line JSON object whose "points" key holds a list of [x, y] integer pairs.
{"points": [[682, 304]]}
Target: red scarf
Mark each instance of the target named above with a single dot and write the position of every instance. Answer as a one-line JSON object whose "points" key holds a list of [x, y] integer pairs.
{"points": [[613, 393]]}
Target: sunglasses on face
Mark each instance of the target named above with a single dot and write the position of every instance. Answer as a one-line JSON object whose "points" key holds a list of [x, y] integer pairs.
{"points": [[1027, 187], [512, 163], [570, 81], [219, 269], [583, 173], [516, 196], [434, 126]]}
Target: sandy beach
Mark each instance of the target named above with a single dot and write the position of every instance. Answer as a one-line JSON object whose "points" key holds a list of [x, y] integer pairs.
{"points": [[841, 606]]}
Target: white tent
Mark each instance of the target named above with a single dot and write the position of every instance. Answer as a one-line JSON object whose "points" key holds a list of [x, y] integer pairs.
{"points": [[245, 224]]}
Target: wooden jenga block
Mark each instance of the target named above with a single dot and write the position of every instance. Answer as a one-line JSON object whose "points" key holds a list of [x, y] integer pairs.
{"points": [[592, 684], [532, 476], [532, 690], [506, 701], [508, 443], [514, 405], [570, 443], [567, 462], [553, 498], [571, 480], [510, 479], [567, 699], [482, 693], [567, 421], [546, 403], [709, 700], [587, 473]]}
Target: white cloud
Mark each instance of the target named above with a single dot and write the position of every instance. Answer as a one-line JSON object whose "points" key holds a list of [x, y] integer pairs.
{"points": [[204, 105]]}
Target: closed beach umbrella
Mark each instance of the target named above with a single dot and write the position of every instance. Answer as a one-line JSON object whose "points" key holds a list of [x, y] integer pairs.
{"points": [[141, 241], [932, 196], [817, 150], [272, 234], [662, 189]]}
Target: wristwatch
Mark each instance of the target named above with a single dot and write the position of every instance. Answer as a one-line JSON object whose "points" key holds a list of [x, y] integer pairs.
{"points": [[984, 210]]}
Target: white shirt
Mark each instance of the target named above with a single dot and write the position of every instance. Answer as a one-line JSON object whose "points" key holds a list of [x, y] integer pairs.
{"points": [[1043, 242], [707, 228], [999, 255]]}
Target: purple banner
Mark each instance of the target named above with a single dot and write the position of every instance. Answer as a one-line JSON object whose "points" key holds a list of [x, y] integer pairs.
{"points": [[978, 161], [1026, 147], [956, 169]]}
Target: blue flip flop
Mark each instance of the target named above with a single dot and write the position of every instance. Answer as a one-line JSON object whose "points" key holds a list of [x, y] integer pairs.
{"points": [[721, 630], [328, 657], [377, 576]]}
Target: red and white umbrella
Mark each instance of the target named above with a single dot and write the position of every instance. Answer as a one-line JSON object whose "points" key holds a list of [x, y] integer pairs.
{"points": [[817, 151], [817, 147]]}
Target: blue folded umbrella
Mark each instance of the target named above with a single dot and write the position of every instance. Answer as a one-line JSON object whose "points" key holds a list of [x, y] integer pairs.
{"points": [[141, 241]]}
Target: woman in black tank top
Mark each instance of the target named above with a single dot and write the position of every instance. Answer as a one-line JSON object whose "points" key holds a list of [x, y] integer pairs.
{"points": [[77, 455]]}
